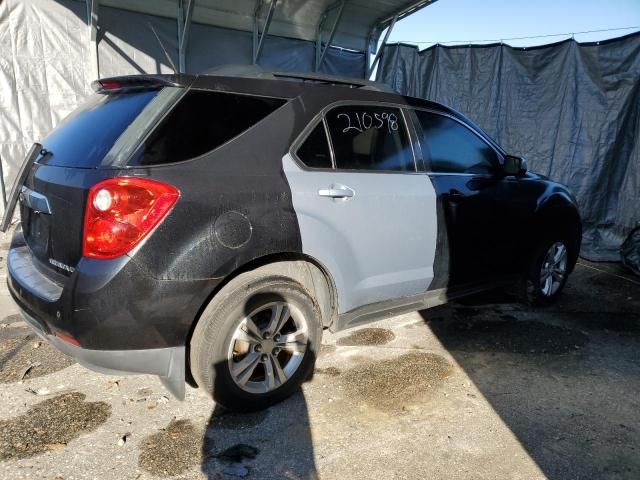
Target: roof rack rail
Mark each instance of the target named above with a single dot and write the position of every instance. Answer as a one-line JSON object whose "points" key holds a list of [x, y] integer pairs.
{"points": [[255, 71], [333, 80]]}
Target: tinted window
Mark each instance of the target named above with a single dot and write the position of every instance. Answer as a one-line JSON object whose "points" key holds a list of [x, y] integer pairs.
{"points": [[370, 138], [450, 147], [84, 137], [314, 152], [200, 122]]}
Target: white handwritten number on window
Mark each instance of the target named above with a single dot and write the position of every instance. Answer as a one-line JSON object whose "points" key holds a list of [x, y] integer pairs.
{"points": [[364, 121]]}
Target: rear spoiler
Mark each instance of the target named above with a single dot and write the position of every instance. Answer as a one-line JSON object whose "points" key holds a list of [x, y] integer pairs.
{"points": [[141, 82]]}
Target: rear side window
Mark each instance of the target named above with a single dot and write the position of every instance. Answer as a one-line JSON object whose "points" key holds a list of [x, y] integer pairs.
{"points": [[84, 137], [450, 147], [200, 122], [367, 137], [314, 152]]}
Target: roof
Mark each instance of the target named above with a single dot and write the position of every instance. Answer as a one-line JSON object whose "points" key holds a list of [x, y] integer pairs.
{"points": [[360, 26], [239, 71], [255, 80]]}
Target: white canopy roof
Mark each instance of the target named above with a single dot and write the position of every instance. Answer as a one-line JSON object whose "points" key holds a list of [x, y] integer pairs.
{"points": [[359, 26]]}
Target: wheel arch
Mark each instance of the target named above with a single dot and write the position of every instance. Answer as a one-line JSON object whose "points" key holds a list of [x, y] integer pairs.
{"points": [[309, 272], [559, 214]]}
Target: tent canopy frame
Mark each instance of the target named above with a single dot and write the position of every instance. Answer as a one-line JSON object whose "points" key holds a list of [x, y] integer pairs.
{"points": [[330, 18]]}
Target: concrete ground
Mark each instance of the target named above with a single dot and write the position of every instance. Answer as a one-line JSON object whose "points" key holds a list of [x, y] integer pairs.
{"points": [[485, 389]]}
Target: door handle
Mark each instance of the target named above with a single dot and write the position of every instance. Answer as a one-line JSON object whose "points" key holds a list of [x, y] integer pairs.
{"points": [[337, 191]]}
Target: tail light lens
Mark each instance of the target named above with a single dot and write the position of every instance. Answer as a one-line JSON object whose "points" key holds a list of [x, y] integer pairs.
{"points": [[121, 212]]}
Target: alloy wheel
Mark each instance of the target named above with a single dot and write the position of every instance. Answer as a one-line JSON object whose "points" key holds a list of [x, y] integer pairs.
{"points": [[267, 347], [554, 269]]}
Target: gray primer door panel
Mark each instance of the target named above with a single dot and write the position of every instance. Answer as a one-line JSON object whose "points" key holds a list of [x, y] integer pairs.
{"points": [[378, 241]]}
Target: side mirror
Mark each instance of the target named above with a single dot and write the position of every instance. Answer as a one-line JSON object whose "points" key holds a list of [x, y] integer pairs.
{"points": [[514, 166]]}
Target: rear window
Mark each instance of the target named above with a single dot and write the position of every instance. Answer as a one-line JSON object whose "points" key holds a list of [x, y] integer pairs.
{"points": [[201, 122], [84, 137]]}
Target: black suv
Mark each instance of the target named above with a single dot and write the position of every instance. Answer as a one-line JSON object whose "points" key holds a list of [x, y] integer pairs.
{"points": [[208, 228]]}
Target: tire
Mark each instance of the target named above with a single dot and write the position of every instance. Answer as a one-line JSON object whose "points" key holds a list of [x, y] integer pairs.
{"points": [[547, 274], [226, 339]]}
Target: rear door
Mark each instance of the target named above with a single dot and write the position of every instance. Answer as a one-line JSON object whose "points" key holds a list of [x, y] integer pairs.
{"points": [[363, 210]]}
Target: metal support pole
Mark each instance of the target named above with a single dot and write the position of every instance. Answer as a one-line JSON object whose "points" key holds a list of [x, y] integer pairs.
{"points": [[259, 34], [321, 51], [184, 27], [92, 24], [381, 47]]}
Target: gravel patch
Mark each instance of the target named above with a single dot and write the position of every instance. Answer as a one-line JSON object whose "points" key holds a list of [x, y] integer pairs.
{"points": [[50, 425], [173, 450], [367, 337], [390, 385]]}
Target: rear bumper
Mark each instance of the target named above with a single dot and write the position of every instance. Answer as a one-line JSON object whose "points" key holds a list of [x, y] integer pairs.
{"points": [[106, 304], [120, 318], [167, 363]]}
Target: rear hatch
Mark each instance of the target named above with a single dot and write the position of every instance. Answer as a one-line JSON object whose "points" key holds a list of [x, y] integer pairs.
{"points": [[88, 146]]}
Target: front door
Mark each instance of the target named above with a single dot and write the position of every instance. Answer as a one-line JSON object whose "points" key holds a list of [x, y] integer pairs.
{"points": [[466, 174], [363, 210]]}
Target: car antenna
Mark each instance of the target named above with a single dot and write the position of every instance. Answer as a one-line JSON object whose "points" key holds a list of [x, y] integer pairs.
{"points": [[175, 70]]}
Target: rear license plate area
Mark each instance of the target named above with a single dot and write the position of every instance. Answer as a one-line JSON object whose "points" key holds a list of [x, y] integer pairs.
{"points": [[36, 227]]}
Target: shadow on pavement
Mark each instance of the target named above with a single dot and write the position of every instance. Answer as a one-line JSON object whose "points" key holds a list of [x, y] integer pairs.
{"points": [[273, 443], [270, 443], [564, 379]]}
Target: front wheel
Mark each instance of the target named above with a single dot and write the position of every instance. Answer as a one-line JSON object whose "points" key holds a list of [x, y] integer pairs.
{"points": [[548, 271], [256, 341]]}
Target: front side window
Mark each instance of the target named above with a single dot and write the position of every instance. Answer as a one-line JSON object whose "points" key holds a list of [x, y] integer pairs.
{"points": [[449, 147], [200, 122], [367, 137]]}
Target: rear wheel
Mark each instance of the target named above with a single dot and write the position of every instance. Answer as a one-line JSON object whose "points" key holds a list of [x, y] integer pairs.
{"points": [[256, 341], [548, 271]]}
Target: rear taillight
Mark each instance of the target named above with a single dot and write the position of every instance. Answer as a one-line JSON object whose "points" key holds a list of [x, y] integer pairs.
{"points": [[122, 211], [67, 339]]}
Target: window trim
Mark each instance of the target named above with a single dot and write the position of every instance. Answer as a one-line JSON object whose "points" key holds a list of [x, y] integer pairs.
{"points": [[321, 117], [124, 148], [302, 138], [426, 164]]}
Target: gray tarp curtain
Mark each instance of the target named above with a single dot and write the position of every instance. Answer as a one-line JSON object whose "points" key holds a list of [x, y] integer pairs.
{"points": [[572, 110], [46, 71]]}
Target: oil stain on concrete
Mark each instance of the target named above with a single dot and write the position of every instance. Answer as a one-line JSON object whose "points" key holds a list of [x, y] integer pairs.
{"points": [[11, 320], [173, 450], [29, 357], [367, 337], [521, 337], [390, 385], [50, 425], [330, 371], [326, 350]]}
